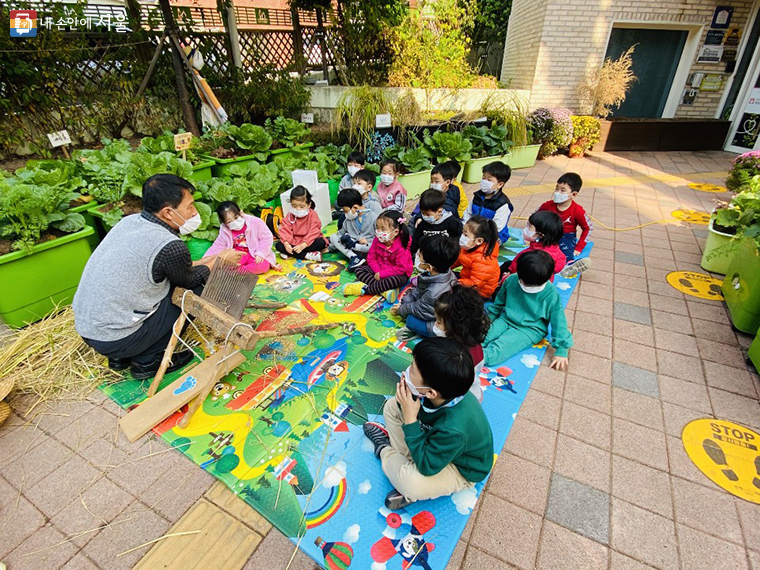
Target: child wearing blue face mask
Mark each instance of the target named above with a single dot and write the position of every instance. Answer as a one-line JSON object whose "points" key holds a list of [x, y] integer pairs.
{"points": [[525, 306], [436, 439], [355, 237], [490, 201], [434, 220]]}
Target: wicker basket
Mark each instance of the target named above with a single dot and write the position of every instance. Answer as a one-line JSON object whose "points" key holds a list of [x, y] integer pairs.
{"points": [[5, 411]]}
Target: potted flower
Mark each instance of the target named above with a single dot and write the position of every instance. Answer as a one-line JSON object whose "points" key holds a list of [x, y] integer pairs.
{"points": [[585, 135], [744, 167], [741, 286], [488, 145], [44, 247], [416, 167], [716, 256], [230, 144], [165, 143], [552, 129]]}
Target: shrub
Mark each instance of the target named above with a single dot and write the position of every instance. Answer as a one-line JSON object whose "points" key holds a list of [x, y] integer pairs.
{"points": [[606, 87], [744, 168], [356, 111], [585, 134], [551, 128]]}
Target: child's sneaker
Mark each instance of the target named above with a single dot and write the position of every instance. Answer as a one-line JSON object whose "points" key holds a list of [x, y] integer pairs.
{"points": [[354, 262], [391, 296], [284, 256], [395, 501], [575, 268], [405, 333], [353, 289], [378, 435], [314, 256]]}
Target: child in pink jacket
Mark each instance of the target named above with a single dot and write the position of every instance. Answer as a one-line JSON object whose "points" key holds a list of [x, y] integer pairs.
{"points": [[389, 261], [245, 233], [391, 193], [301, 230]]}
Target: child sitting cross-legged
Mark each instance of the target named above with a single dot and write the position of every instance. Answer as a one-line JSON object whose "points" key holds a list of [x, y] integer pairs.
{"points": [[355, 237], [364, 182], [525, 306], [544, 230], [389, 263], [461, 315], [490, 201], [434, 220], [390, 191], [434, 260], [479, 255], [436, 439], [354, 163], [300, 230]]}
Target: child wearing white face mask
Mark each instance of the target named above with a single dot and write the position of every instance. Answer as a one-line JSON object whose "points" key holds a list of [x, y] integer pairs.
{"points": [[544, 231], [355, 163], [525, 306], [479, 256], [301, 230], [490, 201], [434, 219], [390, 191], [249, 234]]}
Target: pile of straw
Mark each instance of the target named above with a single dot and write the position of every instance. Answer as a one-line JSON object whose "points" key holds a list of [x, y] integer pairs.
{"points": [[48, 362]]}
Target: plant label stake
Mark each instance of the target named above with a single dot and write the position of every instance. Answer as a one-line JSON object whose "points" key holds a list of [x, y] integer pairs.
{"points": [[60, 139], [383, 121], [307, 118], [182, 142]]}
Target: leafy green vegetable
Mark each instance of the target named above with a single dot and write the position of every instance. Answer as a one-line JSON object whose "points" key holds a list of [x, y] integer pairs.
{"points": [[743, 212], [488, 142], [337, 153], [143, 165], [165, 143], [414, 160], [104, 170], [254, 184], [447, 146], [250, 137], [286, 132], [58, 173]]}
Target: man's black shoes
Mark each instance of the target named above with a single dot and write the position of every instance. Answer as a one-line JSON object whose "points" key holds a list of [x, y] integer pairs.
{"points": [[179, 359]]}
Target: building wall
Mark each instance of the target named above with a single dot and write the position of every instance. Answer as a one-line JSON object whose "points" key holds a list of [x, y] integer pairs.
{"points": [[551, 44]]}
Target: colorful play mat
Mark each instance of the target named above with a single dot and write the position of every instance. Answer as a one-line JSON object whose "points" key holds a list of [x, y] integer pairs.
{"points": [[284, 431]]}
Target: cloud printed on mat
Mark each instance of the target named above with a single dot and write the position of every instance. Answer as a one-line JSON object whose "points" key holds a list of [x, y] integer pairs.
{"points": [[365, 487], [563, 285], [334, 475], [530, 360], [465, 500], [352, 534]]}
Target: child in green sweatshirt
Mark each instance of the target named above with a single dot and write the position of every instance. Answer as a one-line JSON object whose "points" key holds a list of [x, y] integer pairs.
{"points": [[436, 439], [525, 306]]}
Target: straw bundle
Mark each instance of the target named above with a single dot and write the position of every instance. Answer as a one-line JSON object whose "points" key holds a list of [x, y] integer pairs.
{"points": [[48, 361]]}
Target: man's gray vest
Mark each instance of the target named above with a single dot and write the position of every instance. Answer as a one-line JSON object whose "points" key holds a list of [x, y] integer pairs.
{"points": [[117, 292]]}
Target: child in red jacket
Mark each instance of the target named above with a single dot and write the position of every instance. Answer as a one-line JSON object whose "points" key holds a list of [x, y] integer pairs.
{"points": [[479, 255], [544, 230], [389, 261], [301, 230]]}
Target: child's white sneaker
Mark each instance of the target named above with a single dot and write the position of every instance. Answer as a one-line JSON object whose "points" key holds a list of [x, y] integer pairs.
{"points": [[314, 256], [576, 268]]}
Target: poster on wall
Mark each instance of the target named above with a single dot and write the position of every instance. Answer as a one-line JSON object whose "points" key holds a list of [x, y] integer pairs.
{"points": [[722, 17], [711, 82], [732, 39], [729, 54], [710, 54], [714, 37]]}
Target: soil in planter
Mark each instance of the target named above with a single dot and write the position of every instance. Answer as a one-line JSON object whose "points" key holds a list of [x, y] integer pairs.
{"points": [[723, 229], [49, 235], [130, 205]]}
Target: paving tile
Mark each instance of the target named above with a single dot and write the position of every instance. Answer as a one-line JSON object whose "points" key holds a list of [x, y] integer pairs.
{"points": [[36, 464], [675, 342], [580, 508], [520, 482], [173, 496], [97, 422], [467, 532], [635, 355], [583, 463], [680, 366], [714, 331], [633, 313], [621, 562], [632, 283], [729, 355], [700, 551], [600, 277], [63, 485], [588, 289], [599, 324], [701, 507], [561, 548], [676, 418], [80, 562], [18, 440], [735, 380], [667, 303], [634, 270], [644, 535], [531, 441], [714, 312], [13, 534], [639, 443], [44, 549], [633, 332], [739, 409], [754, 559], [455, 563], [137, 472], [637, 408], [223, 497], [598, 307], [749, 515], [8, 493], [642, 486], [589, 393], [549, 381], [672, 322], [541, 408], [631, 297], [635, 379], [63, 414], [589, 366], [496, 515], [650, 251], [585, 424], [684, 393], [476, 559], [592, 343]]}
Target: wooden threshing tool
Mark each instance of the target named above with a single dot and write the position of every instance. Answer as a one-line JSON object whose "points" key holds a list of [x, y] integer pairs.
{"points": [[220, 308]]}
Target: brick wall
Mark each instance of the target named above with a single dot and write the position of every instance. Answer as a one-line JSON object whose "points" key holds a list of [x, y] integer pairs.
{"points": [[552, 43]]}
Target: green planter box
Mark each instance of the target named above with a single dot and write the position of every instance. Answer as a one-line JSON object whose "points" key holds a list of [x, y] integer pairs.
{"points": [[717, 263], [198, 247], [415, 183], [523, 156], [754, 352], [473, 170], [98, 215], [222, 165], [33, 284], [286, 151], [202, 171], [334, 186], [89, 220], [741, 288]]}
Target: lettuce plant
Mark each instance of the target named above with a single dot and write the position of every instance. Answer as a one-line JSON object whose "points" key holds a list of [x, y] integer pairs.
{"points": [[286, 132], [447, 146]]}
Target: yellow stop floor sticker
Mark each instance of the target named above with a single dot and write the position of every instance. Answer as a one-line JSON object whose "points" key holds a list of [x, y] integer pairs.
{"points": [[696, 284], [691, 216], [727, 453], [707, 187]]}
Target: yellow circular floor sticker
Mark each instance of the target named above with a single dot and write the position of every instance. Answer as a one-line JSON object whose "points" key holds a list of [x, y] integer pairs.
{"points": [[707, 187], [696, 284], [727, 453], [691, 216]]}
